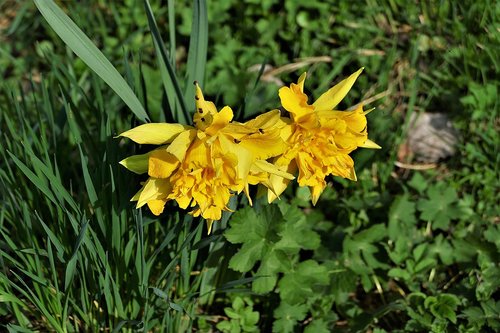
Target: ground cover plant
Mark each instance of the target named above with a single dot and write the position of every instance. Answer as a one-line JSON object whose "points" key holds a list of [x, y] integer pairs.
{"points": [[411, 246]]}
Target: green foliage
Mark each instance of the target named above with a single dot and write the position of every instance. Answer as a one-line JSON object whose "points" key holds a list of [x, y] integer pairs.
{"points": [[274, 236], [242, 318], [431, 313], [440, 208], [287, 317]]}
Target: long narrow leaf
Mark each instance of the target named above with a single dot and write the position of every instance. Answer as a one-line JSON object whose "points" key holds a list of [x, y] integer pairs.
{"points": [[197, 56], [36, 180], [181, 115], [83, 47]]}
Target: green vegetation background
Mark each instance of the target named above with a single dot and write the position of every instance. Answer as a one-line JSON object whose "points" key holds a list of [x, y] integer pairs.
{"points": [[398, 250]]}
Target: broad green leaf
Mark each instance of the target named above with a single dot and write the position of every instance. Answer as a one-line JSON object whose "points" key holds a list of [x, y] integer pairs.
{"points": [[424, 265], [399, 273], [418, 182], [287, 317], [297, 285], [443, 306], [83, 47], [419, 251], [317, 326], [401, 218], [273, 262], [442, 248], [343, 282], [492, 234], [251, 230], [474, 314], [274, 237], [401, 250], [295, 232], [359, 250], [441, 207]]}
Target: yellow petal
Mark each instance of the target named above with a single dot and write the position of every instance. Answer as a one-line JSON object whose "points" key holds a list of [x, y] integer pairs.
{"points": [[353, 175], [301, 81], [332, 97], [272, 169], [212, 213], [295, 102], [245, 157], [316, 192], [154, 133], [341, 165], [277, 184], [286, 132], [203, 107], [154, 189], [264, 145], [246, 190], [370, 144], [156, 206], [162, 164], [245, 160], [265, 120], [209, 225], [180, 145], [220, 120], [136, 163], [237, 130], [183, 201], [137, 195], [204, 110], [368, 111], [198, 153]]}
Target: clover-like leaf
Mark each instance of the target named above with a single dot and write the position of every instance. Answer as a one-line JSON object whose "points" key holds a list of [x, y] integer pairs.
{"points": [[443, 306], [360, 250], [441, 207], [317, 326], [252, 230], [401, 217], [287, 316], [274, 237], [299, 283]]}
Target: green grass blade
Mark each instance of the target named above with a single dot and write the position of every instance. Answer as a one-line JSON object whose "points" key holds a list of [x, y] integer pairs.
{"points": [[11, 328], [55, 182], [83, 47], [182, 115], [53, 238], [91, 191], [197, 56], [37, 181], [171, 27], [8, 298]]}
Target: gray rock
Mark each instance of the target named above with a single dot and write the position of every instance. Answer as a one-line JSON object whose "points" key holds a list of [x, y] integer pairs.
{"points": [[431, 137]]}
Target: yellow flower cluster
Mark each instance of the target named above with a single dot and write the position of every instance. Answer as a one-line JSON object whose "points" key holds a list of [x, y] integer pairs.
{"points": [[203, 166]]}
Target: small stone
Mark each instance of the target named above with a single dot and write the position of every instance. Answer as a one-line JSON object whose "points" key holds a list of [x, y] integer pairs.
{"points": [[431, 137]]}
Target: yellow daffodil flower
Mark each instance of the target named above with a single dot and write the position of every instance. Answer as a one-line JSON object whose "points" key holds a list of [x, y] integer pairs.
{"points": [[202, 166], [319, 138]]}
